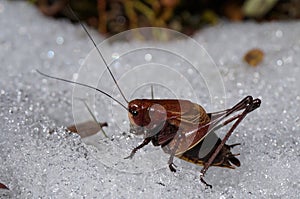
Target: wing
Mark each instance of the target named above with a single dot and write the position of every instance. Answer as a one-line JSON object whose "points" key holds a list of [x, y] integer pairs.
{"points": [[185, 127], [193, 116]]}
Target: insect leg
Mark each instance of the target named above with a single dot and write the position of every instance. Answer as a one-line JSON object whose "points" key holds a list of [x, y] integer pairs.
{"points": [[173, 151], [144, 143], [226, 122], [239, 106], [233, 145], [250, 106], [211, 159], [171, 158], [217, 117]]}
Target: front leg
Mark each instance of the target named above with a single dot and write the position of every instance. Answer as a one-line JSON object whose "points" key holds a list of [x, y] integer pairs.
{"points": [[173, 151], [171, 164], [144, 143]]}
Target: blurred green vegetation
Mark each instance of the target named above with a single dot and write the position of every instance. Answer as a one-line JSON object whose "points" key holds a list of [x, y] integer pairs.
{"points": [[114, 16]]}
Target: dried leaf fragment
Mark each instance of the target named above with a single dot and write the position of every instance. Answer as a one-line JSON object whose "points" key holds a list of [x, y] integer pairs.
{"points": [[254, 57], [87, 128], [2, 186]]}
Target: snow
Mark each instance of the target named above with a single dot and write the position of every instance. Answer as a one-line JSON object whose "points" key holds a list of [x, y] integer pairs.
{"points": [[36, 164]]}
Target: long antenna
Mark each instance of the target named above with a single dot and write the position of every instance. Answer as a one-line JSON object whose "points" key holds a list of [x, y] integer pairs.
{"points": [[101, 55], [84, 85]]}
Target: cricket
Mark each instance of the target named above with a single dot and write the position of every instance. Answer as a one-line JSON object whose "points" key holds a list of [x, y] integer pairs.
{"points": [[183, 129]]}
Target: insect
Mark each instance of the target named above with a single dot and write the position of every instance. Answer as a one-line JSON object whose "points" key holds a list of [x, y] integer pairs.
{"points": [[180, 127]]}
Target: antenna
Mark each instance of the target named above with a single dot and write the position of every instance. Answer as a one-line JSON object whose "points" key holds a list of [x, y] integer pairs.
{"points": [[101, 55], [84, 85]]}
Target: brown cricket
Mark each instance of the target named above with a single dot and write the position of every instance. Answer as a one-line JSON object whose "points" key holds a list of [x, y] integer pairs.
{"points": [[182, 128]]}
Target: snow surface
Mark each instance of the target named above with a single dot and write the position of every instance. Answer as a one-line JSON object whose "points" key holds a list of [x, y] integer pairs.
{"points": [[35, 164]]}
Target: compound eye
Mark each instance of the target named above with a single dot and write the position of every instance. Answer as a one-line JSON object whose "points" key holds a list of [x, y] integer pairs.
{"points": [[134, 112]]}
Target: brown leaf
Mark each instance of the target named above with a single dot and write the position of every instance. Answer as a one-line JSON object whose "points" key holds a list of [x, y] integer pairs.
{"points": [[254, 57], [87, 128], [2, 186]]}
